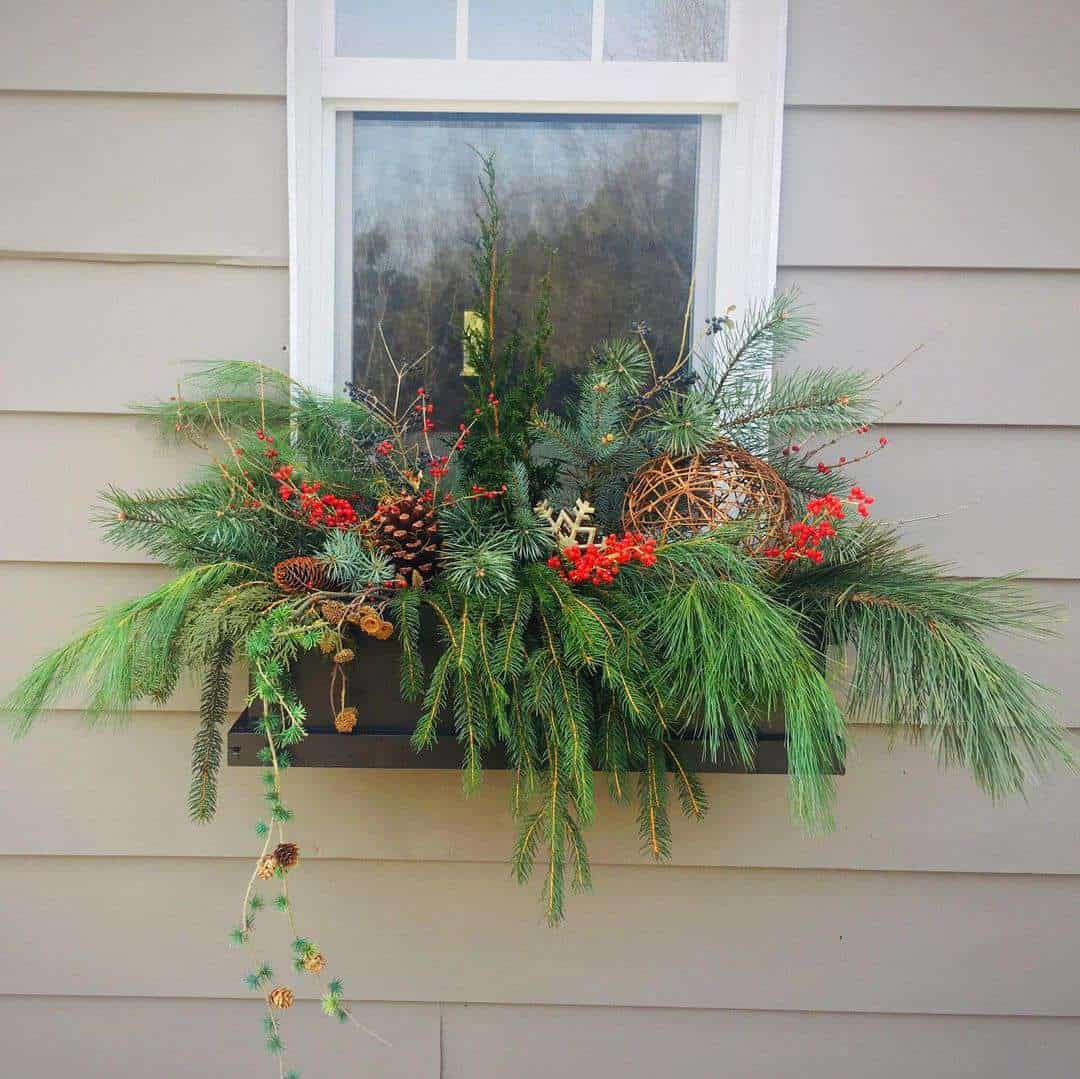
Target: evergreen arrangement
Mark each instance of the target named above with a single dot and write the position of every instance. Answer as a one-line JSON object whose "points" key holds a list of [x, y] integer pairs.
{"points": [[678, 555]]}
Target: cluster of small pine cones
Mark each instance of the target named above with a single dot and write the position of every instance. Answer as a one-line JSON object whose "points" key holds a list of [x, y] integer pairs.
{"points": [[284, 856], [357, 614]]}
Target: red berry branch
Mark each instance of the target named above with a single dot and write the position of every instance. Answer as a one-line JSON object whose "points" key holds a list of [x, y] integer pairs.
{"points": [[304, 501], [807, 534], [598, 563]]}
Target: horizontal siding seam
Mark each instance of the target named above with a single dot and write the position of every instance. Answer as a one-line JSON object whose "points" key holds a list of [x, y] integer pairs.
{"points": [[961, 1016], [142, 258], [859, 267], [942, 267], [175, 95], [856, 871], [895, 107]]}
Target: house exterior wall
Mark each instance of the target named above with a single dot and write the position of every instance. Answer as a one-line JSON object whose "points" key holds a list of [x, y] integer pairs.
{"points": [[928, 195]]}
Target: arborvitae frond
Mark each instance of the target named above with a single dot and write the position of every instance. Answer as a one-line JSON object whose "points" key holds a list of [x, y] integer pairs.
{"points": [[224, 617], [352, 563], [206, 751]]}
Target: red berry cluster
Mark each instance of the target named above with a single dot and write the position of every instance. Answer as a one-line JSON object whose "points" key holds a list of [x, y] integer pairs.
{"points": [[318, 511], [271, 454], [464, 434], [439, 467], [425, 411], [598, 563], [808, 533]]}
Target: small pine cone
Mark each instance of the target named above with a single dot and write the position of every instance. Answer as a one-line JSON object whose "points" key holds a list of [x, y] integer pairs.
{"points": [[385, 631], [344, 655], [345, 720], [333, 611], [314, 962], [286, 855], [357, 612], [300, 574], [266, 868], [282, 997], [328, 643], [370, 624]]}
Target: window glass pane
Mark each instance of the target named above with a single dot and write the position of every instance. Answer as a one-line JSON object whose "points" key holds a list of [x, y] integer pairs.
{"points": [[608, 202], [526, 30], [409, 28], [689, 30]]}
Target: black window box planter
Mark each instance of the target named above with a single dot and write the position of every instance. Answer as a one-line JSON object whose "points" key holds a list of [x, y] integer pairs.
{"points": [[386, 722]]}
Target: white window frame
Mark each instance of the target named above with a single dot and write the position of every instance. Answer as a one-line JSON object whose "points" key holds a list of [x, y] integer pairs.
{"points": [[747, 91]]}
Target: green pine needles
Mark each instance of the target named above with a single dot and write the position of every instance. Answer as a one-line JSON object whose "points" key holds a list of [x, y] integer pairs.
{"points": [[585, 651]]}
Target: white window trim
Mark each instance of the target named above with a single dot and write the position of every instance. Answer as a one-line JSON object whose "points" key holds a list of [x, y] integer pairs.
{"points": [[747, 91]]}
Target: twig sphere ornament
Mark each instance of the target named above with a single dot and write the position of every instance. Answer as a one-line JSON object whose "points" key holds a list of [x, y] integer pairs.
{"points": [[678, 497]]}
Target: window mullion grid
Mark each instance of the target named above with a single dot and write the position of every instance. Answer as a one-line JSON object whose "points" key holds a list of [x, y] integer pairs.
{"points": [[597, 31], [461, 42]]}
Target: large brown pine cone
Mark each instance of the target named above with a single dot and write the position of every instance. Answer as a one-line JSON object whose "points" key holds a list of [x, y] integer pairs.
{"points": [[407, 529]]}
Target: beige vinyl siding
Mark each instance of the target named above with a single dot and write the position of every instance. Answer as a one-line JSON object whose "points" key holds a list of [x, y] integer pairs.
{"points": [[154, 47], [128, 332], [62, 1035], [1008, 54], [201, 178], [788, 939], [979, 328], [929, 178], [104, 1037], [896, 812], [534, 1043]]}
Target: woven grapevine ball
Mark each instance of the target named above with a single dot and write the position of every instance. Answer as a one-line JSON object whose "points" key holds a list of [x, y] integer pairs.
{"points": [[678, 497]]}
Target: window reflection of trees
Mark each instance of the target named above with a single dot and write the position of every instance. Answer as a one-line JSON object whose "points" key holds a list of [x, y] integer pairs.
{"points": [[674, 30], [608, 204]]}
